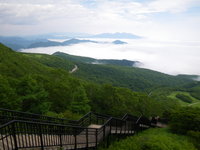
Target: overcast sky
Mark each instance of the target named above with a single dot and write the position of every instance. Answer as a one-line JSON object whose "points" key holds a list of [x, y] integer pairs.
{"points": [[155, 19]]}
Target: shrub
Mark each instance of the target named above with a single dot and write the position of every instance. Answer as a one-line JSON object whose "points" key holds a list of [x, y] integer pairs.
{"points": [[186, 119], [184, 98], [154, 139]]}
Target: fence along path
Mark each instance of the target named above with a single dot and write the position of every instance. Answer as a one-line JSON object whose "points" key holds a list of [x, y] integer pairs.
{"points": [[20, 130]]}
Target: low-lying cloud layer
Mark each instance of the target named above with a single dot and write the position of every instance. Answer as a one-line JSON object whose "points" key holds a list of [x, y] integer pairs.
{"points": [[168, 57]]}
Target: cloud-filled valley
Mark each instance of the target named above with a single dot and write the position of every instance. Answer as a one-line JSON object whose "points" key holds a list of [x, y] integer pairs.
{"points": [[168, 57]]}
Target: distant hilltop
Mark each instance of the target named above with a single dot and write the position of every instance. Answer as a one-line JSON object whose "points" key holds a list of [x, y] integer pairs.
{"points": [[117, 35]]}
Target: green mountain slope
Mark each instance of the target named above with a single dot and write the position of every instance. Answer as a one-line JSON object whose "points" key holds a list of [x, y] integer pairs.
{"points": [[51, 61], [28, 85], [89, 60], [137, 79], [15, 65]]}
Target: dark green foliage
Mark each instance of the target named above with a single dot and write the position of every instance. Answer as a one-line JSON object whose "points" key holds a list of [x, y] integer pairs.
{"points": [[7, 94], [195, 92], [154, 139], [115, 101], [184, 98], [186, 119], [32, 96]]}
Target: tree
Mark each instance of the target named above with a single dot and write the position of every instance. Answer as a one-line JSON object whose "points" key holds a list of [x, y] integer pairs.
{"points": [[8, 97], [79, 100], [33, 96]]}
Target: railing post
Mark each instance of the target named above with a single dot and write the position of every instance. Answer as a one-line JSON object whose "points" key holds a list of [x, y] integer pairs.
{"points": [[60, 137], [75, 139], [86, 138], [14, 136], [109, 135], [125, 128], [104, 132], [121, 124], [104, 135], [116, 126], [96, 134], [41, 140]]}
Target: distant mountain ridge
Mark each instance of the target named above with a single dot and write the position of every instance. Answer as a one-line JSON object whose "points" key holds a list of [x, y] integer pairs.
{"points": [[117, 35], [17, 43], [65, 43], [89, 60]]}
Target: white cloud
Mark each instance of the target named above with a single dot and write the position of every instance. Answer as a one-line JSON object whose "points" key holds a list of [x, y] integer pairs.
{"points": [[173, 6], [169, 57], [19, 17]]}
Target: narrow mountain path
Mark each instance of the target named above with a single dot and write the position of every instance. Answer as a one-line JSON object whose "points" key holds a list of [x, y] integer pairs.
{"points": [[74, 69]]}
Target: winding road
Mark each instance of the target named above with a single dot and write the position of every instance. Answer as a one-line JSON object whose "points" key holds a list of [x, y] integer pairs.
{"points": [[74, 69]]}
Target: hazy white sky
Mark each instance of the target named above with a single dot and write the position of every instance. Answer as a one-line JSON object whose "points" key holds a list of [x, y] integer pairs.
{"points": [[168, 57], [171, 27], [155, 19]]}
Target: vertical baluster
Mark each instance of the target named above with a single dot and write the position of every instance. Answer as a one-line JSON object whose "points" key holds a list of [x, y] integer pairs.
{"points": [[14, 135], [115, 125], [125, 128], [41, 140], [61, 136], [3, 140], [86, 138], [96, 136], [75, 139]]}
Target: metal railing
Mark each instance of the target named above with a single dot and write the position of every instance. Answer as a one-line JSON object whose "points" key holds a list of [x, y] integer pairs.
{"points": [[7, 115], [87, 132]]}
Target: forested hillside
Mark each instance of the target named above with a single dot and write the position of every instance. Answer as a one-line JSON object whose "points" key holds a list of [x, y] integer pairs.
{"points": [[37, 83], [137, 79]]}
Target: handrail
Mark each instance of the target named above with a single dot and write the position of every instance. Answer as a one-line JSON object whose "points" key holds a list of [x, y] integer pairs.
{"points": [[15, 111], [65, 134], [41, 123], [32, 116], [6, 124]]}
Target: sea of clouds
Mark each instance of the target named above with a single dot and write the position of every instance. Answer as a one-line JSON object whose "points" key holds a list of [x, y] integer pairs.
{"points": [[171, 57]]}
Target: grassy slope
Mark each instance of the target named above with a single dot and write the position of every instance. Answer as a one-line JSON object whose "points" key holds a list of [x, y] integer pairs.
{"points": [[51, 61], [195, 102], [154, 139]]}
